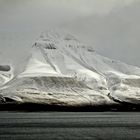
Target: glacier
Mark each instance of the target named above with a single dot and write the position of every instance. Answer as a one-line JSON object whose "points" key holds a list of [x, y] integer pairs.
{"points": [[63, 71]]}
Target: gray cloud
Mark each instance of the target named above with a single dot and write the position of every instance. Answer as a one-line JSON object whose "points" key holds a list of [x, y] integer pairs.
{"points": [[111, 26], [19, 14], [115, 35]]}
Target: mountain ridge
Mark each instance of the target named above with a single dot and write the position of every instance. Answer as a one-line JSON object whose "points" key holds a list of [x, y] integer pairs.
{"points": [[63, 71]]}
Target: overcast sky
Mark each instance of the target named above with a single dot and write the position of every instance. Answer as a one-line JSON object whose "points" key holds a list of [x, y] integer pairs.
{"points": [[112, 27]]}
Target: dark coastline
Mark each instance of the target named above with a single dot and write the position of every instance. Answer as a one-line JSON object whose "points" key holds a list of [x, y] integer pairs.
{"points": [[86, 108]]}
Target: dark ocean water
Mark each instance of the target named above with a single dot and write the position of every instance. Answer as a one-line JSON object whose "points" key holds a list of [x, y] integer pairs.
{"points": [[69, 125]]}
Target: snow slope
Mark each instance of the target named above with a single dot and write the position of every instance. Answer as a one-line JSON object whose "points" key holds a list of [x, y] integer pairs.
{"points": [[63, 71]]}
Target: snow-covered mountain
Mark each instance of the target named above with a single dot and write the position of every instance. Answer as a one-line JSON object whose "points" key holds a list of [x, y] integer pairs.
{"points": [[63, 71]]}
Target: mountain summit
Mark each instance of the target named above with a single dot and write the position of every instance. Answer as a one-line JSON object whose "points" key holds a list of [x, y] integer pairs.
{"points": [[63, 71]]}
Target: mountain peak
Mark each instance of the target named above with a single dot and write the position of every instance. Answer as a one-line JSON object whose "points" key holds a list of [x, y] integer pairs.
{"points": [[58, 40], [57, 35]]}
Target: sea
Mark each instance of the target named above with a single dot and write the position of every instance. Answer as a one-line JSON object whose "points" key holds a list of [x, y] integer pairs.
{"points": [[18, 125]]}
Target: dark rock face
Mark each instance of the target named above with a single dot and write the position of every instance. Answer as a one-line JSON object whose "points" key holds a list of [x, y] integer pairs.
{"points": [[5, 68]]}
